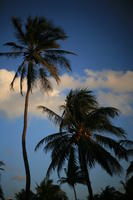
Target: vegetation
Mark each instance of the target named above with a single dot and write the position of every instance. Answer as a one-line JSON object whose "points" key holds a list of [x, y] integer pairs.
{"points": [[45, 191], [38, 46], [109, 193], [22, 195], [49, 191], [82, 129], [73, 174], [86, 134], [1, 191]]}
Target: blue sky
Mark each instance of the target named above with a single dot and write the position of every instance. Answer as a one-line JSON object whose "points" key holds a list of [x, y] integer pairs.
{"points": [[100, 33]]}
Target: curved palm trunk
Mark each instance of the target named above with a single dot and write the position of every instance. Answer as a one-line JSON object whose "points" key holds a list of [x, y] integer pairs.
{"points": [[75, 193], [84, 168], [25, 157]]}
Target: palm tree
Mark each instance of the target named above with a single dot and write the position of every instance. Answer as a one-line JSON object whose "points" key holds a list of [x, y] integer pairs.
{"points": [[22, 195], [83, 126], [73, 174], [42, 57], [109, 193], [49, 191]]}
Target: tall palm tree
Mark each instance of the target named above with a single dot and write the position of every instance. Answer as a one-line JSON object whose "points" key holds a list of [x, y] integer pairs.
{"points": [[83, 125], [38, 46], [73, 174]]}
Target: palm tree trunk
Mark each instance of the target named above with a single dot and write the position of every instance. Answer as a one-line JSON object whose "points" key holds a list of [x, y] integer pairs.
{"points": [[84, 168], [75, 193], [91, 197], [25, 157]]}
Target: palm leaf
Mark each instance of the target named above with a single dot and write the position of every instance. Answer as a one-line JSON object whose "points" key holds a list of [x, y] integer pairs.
{"points": [[14, 46], [19, 32], [45, 83], [130, 169], [51, 115], [49, 138], [11, 54], [119, 150]]}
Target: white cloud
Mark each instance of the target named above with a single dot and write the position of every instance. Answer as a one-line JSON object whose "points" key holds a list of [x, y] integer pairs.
{"points": [[117, 81], [114, 88], [120, 101]]}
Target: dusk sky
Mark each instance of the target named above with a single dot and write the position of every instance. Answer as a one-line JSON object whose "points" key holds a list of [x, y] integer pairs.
{"points": [[101, 34]]}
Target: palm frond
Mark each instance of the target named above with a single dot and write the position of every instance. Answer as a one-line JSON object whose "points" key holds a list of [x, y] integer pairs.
{"points": [[126, 143], [59, 51], [19, 32], [110, 128], [45, 82], [104, 158], [50, 68], [51, 115], [59, 60], [119, 150], [12, 54], [49, 138], [107, 111], [59, 156], [14, 46], [130, 169], [20, 68]]}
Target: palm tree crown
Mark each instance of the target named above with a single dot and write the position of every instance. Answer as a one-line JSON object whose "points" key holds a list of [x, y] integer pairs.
{"points": [[49, 191], [37, 44], [83, 125]]}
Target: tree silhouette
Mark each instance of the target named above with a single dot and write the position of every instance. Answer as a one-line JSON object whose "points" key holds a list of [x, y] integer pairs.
{"points": [[38, 46], [128, 184], [83, 126], [109, 193], [1, 191], [49, 191], [22, 195], [73, 174]]}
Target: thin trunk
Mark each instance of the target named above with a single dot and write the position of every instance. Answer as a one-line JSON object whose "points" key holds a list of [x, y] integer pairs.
{"points": [[25, 157], [75, 193], [91, 197], [84, 168]]}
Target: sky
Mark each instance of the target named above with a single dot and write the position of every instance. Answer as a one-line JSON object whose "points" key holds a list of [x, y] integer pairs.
{"points": [[100, 33]]}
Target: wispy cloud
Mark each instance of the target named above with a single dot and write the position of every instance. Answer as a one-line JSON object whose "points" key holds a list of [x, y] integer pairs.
{"points": [[18, 178], [114, 88]]}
